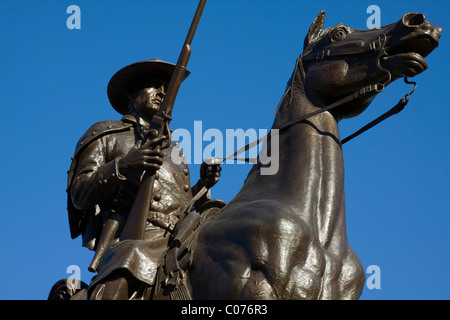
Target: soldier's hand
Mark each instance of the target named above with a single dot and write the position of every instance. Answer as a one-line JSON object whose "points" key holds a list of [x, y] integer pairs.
{"points": [[210, 172], [142, 157]]}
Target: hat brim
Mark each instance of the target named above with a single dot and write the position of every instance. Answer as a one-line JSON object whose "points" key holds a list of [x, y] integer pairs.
{"points": [[134, 77]]}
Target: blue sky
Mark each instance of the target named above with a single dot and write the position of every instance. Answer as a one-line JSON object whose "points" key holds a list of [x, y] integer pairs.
{"points": [[53, 87]]}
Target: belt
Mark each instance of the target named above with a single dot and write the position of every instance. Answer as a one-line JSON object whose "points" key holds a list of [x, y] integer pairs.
{"points": [[164, 221]]}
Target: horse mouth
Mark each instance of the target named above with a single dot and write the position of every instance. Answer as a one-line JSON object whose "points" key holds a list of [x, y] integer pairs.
{"points": [[407, 56], [422, 45]]}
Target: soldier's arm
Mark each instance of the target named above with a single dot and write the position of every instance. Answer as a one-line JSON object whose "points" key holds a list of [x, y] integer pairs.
{"points": [[209, 173], [209, 176], [95, 179]]}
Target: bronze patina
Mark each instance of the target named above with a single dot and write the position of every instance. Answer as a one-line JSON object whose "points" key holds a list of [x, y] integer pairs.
{"points": [[283, 236]]}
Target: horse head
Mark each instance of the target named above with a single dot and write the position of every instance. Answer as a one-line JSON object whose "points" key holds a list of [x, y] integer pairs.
{"points": [[339, 61]]}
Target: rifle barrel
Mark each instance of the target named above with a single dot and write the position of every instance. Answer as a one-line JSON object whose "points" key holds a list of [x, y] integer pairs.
{"points": [[195, 22], [180, 69], [135, 225]]}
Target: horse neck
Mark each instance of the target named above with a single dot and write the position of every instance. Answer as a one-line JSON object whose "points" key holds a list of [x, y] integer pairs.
{"points": [[310, 177], [314, 141]]}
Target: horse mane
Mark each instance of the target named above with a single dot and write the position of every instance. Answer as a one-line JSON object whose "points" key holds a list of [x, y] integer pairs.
{"points": [[308, 46]]}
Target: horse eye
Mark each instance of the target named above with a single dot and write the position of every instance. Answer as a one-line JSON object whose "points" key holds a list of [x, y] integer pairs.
{"points": [[338, 34]]}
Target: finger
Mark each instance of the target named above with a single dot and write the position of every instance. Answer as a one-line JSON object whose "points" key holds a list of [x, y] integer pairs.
{"points": [[203, 168], [157, 141], [153, 153], [212, 175], [138, 144], [150, 144], [153, 160], [151, 166], [212, 161], [214, 168]]}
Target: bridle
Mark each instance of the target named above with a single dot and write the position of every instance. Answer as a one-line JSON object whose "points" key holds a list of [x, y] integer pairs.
{"points": [[352, 48]]}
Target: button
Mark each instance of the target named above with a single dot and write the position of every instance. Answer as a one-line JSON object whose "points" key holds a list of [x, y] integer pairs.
{"points": [[156, 197], [186, 172], [186, 188]]}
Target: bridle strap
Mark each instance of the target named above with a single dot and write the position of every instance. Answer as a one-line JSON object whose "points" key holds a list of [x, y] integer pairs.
{"points": [[377, 88], [394, 110], [351, 48], [347, 49]]}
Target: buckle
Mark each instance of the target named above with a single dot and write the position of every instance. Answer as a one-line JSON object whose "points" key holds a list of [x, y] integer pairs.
{"points": [[369, 89], [322, 54]]}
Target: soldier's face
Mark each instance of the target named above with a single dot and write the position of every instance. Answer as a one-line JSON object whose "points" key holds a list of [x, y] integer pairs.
{"points": [[148, 101]]}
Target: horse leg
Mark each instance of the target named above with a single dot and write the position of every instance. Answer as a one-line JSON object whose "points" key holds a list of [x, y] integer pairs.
{"points": [[228, 275], [257, 288], [237, 253]]}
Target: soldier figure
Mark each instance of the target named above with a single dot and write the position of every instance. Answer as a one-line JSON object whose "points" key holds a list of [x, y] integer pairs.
{"points": [[106, 171]]}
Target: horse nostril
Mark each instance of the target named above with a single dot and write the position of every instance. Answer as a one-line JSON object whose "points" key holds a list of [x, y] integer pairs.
{"points": [[413, 19]]}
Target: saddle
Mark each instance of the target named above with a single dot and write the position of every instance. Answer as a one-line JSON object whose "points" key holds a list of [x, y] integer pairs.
{"points": [[171, 275]]}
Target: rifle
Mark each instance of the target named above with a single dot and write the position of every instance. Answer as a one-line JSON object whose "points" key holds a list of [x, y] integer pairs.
{"points": [[135, 224]]}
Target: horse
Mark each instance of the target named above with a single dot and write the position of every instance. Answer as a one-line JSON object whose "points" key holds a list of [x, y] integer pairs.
{"points": [[283, 236]]}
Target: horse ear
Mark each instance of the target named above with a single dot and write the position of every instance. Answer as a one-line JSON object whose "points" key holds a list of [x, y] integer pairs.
{"points": [[315, 29]]}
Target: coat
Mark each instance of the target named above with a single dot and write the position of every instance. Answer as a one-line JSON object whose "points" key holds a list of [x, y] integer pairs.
{"points": [[96, 189]]}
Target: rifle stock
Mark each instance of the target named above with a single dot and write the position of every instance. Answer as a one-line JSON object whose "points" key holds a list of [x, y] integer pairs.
{"points": [[134, 227]]}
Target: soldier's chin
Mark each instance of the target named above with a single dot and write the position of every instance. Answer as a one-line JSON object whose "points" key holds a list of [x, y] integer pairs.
{"points": [[148, 111]]}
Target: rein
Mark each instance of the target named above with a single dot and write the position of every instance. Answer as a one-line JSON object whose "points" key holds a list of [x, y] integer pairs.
{"points": [[357, 47], [347, 49]]}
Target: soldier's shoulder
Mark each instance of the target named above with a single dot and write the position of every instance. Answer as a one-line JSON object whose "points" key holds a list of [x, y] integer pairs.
{"points": [[100, 129], [105, 126]]}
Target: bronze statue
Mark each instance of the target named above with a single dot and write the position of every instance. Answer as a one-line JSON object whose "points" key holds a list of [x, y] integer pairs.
{"points": [[283, 236], [107, 171]]}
